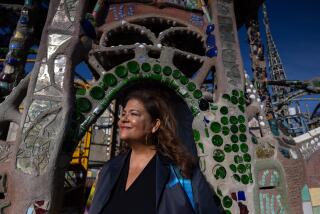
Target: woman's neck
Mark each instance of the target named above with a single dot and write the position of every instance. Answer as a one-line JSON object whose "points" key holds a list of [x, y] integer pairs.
{"points": [[141, 150]]}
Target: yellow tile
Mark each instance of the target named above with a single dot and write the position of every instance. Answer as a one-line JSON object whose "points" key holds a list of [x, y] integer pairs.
{"points": [[315, 196]]}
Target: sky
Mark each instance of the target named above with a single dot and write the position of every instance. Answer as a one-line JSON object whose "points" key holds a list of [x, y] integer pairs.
{"points": [[295, 27]]}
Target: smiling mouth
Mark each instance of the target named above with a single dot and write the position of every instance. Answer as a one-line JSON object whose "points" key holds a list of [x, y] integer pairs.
{"points": [[125, 127]]}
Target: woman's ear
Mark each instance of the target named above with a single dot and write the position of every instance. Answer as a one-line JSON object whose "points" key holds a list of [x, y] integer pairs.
{"points": [[156, 126]]}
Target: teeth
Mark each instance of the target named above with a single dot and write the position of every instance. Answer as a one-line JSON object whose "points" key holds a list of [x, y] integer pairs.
{"points": [[174, 23]]}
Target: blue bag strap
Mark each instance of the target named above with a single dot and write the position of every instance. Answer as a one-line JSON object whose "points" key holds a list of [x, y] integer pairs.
{"points": [[185, 183]]}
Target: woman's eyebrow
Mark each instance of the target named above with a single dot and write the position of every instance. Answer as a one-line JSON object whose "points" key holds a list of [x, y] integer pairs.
{"points": [[131, 110]]}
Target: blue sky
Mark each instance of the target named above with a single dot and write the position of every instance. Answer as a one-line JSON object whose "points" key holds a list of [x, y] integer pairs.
{"points": [[295, 27]]}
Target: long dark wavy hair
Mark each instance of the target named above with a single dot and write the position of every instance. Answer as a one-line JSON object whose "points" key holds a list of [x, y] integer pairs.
{"points": [[165, 139]]}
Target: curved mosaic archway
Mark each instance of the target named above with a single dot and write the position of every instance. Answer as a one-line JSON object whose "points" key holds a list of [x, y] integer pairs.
{"points": [[174, 44]]}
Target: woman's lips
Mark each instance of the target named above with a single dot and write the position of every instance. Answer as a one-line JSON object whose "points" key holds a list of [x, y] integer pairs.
{"points": [[125, 127]]}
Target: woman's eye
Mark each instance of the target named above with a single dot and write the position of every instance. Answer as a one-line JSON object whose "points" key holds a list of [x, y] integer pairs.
{"points": [[135, 113]]}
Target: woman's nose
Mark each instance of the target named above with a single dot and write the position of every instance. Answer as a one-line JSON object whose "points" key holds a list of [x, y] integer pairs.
{"points": [[124, 117]]}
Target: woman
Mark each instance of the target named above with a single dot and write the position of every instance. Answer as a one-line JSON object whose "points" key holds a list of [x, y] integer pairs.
{"points": [[156, 174]]}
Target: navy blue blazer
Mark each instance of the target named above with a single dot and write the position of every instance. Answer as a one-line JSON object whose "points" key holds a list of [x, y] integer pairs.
{"points": [[169, 199]]}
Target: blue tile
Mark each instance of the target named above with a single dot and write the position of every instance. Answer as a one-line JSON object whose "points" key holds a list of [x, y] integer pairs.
{"points": [[241, 196]]}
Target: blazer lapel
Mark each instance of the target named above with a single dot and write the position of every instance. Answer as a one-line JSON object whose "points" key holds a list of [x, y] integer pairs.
{"points": [[109, 180], [162, 174]]}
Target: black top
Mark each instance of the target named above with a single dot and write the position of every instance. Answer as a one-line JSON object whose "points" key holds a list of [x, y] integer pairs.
{"points": [[141, 195]]}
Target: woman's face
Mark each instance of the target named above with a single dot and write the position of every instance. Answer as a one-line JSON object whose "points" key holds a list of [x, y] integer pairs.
{"points": [[135, 122]]}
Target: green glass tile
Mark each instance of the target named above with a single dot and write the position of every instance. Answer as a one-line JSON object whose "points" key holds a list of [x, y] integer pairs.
{"points": [[207, 132], [235, 148], [217, 140], [246, 157], [234, 138], [201, 147], [234, 100], [146, 67], [215, 127], [244, 148], [226, 96], [221, 172], [83, 105], [219, 191], [109, 80], [245, 179], [241, 108], [133, 67], [80, 91], [236, 177], [97, 93], [196, 135], [237, 159], [241, 168], [191, 86], [167, 70], [227, 202], [242, 128], [233, 167], [225, 130], [235, 93], [121, 71], [224, 120], [227, 148], [227, 212], [242, 137], [156, 68], [241, 100], [213, 107], [254, 140], [218, 155], [197, 94], [234, 129], [241, 119], [224, 110], [176, 74], [184, 80], [241, 93], [233, 120]]}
